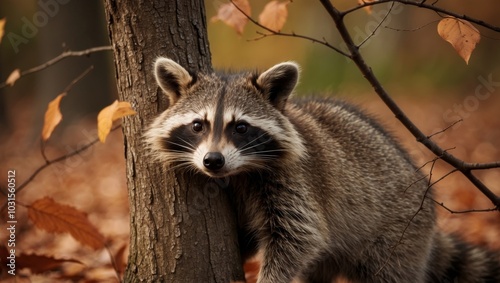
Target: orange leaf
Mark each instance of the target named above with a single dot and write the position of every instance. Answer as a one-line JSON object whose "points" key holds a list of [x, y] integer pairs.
{"points": [[462, 35], [110, 114], [13, 77], [251, 268], [121, 259], [41, 263], [53, 217], [368, 9], [231, 16], [2, 25], [274, 15], [53, 117]]}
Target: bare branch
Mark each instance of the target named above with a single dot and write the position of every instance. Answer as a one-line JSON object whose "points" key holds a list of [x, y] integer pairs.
{"points": [[77, 79], [462, 211], [377, 27], [367, 72], [413, 29], [354, 54], [60, 57], [442, 177], [422, 4], [279, 33], [56, 160], [445, 129]]}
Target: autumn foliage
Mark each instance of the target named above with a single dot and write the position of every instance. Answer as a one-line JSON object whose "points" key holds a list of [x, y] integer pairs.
{"points": [[57, 219]]}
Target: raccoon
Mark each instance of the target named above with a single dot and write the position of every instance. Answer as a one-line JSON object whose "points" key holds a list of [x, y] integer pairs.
{"points": [[319, 188]]}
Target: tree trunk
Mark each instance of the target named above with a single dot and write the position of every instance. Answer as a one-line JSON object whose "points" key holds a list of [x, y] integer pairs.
{"points": [[182, 230]]}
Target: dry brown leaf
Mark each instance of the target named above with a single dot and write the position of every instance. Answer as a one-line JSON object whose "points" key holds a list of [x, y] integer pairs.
{"points": [[121, 258], [231, 16], [251, 269], [2, 26], [462, 35], [41, 263], [13, 77], [53, 217], [274, 15], [368, 9], [110, 114], [53, 117]]}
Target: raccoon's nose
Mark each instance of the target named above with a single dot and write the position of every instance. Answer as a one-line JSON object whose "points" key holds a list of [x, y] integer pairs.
{"points": [[213, 160]]}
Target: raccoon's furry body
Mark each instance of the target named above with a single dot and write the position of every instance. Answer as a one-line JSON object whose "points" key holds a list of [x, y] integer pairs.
{"points": [[320, 189]]}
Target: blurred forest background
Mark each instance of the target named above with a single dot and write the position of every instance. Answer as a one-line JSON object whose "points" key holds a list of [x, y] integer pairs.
{"points": [[419, 69]]}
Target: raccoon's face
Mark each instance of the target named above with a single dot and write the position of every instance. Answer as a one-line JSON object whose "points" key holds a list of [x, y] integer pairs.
{"points": [[223, 125]]}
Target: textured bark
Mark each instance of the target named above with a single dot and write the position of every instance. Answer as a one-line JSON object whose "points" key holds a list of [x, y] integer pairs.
{"points": [[182, 230]]}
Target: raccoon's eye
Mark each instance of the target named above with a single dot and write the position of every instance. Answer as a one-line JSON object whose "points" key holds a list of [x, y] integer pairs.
{"points": [[241, 128], [197, 126]]}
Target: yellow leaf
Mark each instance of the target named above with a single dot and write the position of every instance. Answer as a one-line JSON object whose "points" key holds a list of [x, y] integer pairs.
{"points": [[13, 77], [462, 35], [231, 16], [368, 9], [274, 15], [53, 117], [2, 25], [53, 217], [110, 114]]}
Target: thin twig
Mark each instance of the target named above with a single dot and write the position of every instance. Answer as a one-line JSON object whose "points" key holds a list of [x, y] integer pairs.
{"points": [[445, 129], [442, 177], [367, 72], [377, 27], [60, 57], [414, 29], [59, 159], [77, 79], [463, 211], [425, 6], [279, 33], [53, 161]]}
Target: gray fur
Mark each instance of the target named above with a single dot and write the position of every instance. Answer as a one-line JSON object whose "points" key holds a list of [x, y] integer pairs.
{"points": [[322, 190]]}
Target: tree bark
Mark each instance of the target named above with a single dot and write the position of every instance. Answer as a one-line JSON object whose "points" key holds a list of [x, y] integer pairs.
{"points": [[182, 230]]}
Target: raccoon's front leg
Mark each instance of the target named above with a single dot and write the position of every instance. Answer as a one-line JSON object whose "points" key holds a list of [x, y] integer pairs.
{"points": [[291, 237]]}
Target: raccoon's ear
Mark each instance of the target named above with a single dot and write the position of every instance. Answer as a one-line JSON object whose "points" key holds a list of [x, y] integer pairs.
{"points": [[278, 83], [173, 79]]}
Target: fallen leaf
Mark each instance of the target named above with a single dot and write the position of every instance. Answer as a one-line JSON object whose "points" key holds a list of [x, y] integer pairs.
{"points": [[13, 77], [53, 217], [53, 117], [231, 16], [109, 114], [121, 258], [368, 9], [461, 34], [251, 269], [41, 263], [274, 15], [2, 26]]}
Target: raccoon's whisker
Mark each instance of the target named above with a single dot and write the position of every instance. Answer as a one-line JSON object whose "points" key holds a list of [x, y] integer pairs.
{"points": [[255, 145], [266, 151], [189, 146], [187, 142], [250, 142], [180, 165]]}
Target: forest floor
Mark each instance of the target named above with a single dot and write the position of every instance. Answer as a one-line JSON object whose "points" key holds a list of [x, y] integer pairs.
{"points": [[94, 182]]}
